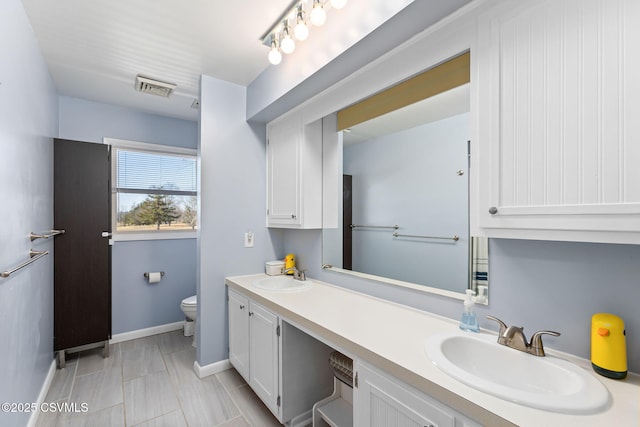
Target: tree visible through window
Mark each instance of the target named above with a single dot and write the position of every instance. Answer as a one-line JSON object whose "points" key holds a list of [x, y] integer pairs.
{"points": [[155, 191]]}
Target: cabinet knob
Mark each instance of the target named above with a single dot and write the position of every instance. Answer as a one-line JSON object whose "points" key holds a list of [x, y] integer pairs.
{"points": [[241, 307], [293, 216], [493, 210], [251, 313]]}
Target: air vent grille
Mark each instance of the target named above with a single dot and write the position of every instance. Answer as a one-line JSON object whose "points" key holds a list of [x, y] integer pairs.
{"points": [[154, 87]]}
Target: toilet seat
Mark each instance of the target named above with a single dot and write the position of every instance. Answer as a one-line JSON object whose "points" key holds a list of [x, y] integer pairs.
{"points": [[191, 301]]}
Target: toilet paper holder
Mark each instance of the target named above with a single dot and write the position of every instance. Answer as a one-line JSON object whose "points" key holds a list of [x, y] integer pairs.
{"points": [[147, 274]]}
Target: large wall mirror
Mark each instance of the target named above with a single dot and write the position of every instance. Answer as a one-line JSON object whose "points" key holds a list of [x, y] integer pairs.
{"points": [[405, 208]]}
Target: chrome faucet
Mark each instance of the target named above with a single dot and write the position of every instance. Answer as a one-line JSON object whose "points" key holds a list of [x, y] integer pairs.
{"points": [[513, 336], [297, 274]]}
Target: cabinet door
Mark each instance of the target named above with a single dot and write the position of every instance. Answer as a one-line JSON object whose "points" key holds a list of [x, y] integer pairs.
{"points": [[558, 118], [239, 333], [263, 350], [382, 401], [283, 173]]}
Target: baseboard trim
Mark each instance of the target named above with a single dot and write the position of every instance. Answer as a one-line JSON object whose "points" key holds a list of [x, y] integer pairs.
{"points": [[141, 333], [211, 369], [33, 419]]}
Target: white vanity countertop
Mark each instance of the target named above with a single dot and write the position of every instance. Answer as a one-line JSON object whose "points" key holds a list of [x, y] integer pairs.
{"points": [[392, 337]]}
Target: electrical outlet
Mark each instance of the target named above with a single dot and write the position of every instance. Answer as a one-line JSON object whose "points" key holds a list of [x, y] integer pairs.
{"points": [[248, 239]]}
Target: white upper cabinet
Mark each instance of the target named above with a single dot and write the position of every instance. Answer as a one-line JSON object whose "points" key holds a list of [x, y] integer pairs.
{"points": [[294, 173], [559, 120]]}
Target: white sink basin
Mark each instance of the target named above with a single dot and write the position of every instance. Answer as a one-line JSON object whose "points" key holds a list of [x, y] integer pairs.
{"points": [[282, 284], [546, 382]]}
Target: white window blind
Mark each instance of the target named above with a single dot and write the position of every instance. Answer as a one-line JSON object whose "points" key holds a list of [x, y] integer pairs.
{"points": [[153, 173]]}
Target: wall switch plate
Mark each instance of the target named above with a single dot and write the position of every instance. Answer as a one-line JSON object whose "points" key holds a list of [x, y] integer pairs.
{"points": [[248, 239]]}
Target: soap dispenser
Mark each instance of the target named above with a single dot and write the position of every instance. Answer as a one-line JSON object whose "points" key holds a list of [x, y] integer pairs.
{"points": [[469, 321], [289, 263], [608, 346]]}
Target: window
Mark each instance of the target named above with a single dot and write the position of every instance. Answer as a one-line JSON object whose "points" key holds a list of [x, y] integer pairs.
{"points": [[154, 190]]}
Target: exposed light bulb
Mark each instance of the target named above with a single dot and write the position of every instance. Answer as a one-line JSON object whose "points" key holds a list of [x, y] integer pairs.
{"points": [[275, 57], [301, 31], [318, 15], [287, 44], [338, 4]]}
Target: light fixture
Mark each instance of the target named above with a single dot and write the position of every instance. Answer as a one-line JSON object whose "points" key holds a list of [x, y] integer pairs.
{"points": [[300, 31], [338, 4], [275, 57], [287, 44], [318, 15], [280, 37]]}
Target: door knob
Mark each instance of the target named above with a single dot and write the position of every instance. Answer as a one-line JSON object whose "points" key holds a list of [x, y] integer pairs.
{"points": [[106, 234]]}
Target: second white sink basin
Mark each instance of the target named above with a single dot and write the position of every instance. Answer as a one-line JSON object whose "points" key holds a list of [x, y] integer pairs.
{"points": [[548, 382], [282, 284]]}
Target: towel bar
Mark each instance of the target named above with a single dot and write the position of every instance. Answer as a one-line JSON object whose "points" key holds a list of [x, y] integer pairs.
{"points": [[34, 256], [33, 236]]}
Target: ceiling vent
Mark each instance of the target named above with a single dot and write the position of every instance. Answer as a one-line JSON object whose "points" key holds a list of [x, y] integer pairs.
{"points": [[154, 87]]}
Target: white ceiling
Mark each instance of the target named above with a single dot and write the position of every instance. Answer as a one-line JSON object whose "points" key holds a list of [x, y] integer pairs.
{"points": [[95, 48]]}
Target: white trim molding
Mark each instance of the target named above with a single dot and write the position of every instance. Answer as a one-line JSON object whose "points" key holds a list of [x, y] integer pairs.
{"points": [[211, 369], [141, 333], [33, 419]]}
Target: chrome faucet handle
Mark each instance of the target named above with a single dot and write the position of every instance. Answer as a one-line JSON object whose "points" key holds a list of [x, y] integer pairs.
{"points": [[503, 326], [536, 347], [301, 275]]}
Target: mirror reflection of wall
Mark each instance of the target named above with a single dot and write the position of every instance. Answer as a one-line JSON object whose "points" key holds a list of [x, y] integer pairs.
{"points": [[409, 168], [416, 179]]}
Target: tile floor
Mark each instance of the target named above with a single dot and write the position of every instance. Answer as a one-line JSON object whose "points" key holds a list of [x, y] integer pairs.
{"points": [[150, 382]]}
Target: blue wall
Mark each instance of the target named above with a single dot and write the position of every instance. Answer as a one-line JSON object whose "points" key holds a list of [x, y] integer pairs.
{"points": [[135, 303], [28, 122], [90, 121], [232, 195]]}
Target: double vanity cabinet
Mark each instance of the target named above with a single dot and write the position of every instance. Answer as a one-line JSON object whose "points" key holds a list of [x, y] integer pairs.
{"points": [[281, 341]]}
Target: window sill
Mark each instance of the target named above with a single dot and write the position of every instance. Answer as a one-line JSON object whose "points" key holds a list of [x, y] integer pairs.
{"points": [[154, 235]]}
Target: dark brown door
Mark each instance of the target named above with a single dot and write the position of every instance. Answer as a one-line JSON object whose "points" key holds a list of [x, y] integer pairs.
{"points": [[82, 256], [347, 220]]}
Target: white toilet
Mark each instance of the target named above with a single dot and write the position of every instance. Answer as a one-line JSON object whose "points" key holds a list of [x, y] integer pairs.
{"points": [[189, 307]]}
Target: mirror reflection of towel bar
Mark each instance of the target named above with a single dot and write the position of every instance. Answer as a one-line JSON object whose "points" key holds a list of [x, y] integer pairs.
{"points": [[454, 238], [395, 227]]}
